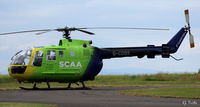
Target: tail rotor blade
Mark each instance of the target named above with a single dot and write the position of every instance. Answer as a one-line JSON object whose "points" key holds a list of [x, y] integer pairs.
{"points": [[191, 40], [187, 17]]}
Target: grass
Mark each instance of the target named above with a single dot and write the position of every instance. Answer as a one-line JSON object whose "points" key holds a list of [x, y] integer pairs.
{"points": [[187, 85], [8, 104], [6, 79], [180, 92], [160, 79]]}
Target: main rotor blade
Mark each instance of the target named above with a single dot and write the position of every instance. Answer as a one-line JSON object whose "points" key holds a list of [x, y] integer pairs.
{"points": [[39, 33], [84, 31], [124, 28], [27, 31]]}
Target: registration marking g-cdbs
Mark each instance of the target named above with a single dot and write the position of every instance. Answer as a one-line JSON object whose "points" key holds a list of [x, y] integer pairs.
{"points": [[121, 52]]}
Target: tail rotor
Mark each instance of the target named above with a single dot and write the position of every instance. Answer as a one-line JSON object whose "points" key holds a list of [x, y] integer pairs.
{"points": [[191, 38]]}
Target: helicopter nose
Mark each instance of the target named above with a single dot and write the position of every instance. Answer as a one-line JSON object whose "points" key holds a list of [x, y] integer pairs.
{"points": [[18, 69], [9, 69]]}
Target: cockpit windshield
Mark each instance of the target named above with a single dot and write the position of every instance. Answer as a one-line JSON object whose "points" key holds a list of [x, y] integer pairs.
{"points": [[22, 57]]}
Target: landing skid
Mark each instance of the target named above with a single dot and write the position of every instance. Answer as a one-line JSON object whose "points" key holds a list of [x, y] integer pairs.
{"points": [[68, 88], [23, 88]]}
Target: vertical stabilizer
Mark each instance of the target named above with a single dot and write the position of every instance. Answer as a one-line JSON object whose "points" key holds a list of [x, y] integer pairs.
{"points": [[176, 41]]}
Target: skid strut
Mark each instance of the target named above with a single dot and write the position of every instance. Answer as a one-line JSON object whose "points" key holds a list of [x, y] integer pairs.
{"points": [[34, 86], [83, 84], [69, 85], [48, 85]]}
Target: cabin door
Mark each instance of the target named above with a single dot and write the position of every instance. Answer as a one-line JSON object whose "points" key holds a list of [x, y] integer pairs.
{"points": [[51, 64]]}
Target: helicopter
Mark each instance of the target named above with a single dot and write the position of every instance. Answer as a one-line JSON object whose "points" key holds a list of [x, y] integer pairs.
{"points": [[74, 61]]}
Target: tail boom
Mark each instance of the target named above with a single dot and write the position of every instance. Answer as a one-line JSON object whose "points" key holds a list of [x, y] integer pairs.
{"points": [[150, 50]]}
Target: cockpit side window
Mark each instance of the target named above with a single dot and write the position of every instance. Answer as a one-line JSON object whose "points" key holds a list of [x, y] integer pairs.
{"points": [[38, 58], [51, 55], [28, 56], [21, 58]]}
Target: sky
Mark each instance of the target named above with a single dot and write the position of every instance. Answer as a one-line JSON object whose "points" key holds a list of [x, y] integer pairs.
{"points": [[20, 15]]}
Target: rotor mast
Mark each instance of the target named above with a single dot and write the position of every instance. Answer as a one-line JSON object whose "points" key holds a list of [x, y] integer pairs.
{"points": [[66, 32]]}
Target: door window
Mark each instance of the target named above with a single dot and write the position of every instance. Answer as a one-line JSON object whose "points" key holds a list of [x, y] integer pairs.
{"points": [[51, 55], [38, 58]]}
